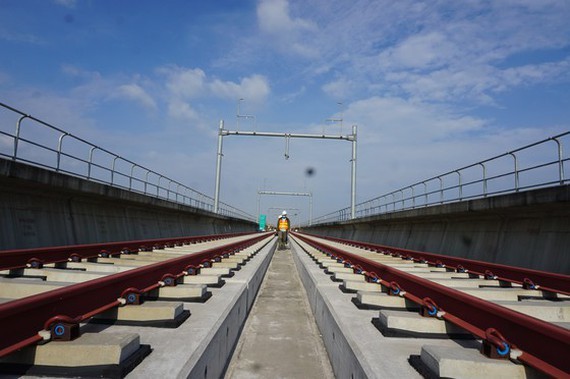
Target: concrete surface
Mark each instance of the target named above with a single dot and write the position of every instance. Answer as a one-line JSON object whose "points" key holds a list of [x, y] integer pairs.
{"points": [[148, 311], [280, 338], [413, 323], [90, 349], [527, 229], [355, 348], [470, 364], [201, 346], [39, 207]]}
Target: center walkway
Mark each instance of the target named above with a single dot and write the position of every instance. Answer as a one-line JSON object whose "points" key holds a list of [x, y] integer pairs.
{"points": [[280, 338]]}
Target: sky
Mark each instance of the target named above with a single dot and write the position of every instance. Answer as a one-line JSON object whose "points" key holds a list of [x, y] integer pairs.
{"points": [[432, 86]]}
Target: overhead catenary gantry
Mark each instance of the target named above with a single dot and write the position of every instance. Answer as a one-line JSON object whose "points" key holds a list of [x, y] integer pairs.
{"points": [[350, 137], [283, 193]]}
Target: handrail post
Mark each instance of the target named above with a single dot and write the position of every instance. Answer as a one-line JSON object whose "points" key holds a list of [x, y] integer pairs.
{"points": [[90, 161], [560, 161], [440, 189], [146, 180], [425, 193], [460, 185], [413, 197], [131, 176], [113, 169], [178, 190], [516, 172], [17, 136], [158, 186], [59, 146], [484, 179]]}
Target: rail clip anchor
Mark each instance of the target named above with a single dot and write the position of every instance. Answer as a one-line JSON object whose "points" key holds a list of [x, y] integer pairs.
{"points": [[64, 331]]}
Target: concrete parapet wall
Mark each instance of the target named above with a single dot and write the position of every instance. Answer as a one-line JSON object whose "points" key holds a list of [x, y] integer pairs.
{"points": [[44, 208], [527, 229]]}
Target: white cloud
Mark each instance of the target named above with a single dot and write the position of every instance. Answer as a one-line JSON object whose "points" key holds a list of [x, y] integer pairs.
{"points": [[184, 82], [290, 35], [274, 18], [419, 51], [193, 83], [66, 3], [395, 120], [182, 111], [13, 36], [136, 93], [341, 88], [254, 88]]}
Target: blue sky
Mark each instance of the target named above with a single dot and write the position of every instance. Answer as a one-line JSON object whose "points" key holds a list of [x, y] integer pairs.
{"points": [[431, 85]]}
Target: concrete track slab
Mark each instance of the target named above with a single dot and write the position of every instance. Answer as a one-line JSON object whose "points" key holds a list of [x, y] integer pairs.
{"points": [[64, 275], [124, 262], [349, 276], [223, 271], [449, 362], [355, 347], [467, 283], [188, 292], [209, 280], [97, 267], [200, 347], [383, 300], [500, 294], [440, 275], [412, 324], [90, 349], [280, 339], [551, 311], [147, 311], [336, 269], [353, 286], [19, 288], [230, 265]]}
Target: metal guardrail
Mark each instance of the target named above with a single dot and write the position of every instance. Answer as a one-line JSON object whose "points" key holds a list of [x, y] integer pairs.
{"points": [[540, 164], [75, 156]]}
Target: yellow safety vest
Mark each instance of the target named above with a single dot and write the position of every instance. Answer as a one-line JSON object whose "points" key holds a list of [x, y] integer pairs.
{"points": [[283, 224]]}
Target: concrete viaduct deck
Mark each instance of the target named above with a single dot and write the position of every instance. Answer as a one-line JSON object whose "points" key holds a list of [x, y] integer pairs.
{"points": [[192, 325]]}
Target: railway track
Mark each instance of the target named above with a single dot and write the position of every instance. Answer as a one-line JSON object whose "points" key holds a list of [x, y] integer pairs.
{"points": [[59, 294], [66, 302], [514, 314]]}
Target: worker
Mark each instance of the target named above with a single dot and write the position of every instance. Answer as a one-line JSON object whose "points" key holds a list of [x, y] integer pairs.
{"points": [[283, 225]]}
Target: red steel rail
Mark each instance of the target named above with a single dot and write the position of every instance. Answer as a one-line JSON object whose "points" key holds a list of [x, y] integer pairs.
{"points": [[540, 344], [13, 259], [22, 320], [534, 279]]}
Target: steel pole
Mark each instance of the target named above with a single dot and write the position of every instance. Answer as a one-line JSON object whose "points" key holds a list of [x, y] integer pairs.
{"points": [[353, 176], [311, 210], [218, 168]]}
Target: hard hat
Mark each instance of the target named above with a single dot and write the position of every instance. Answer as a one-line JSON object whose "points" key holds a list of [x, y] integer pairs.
{"points": [[284, 213]]}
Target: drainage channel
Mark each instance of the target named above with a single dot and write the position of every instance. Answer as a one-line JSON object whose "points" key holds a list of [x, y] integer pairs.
{"points": [[280, 338]]}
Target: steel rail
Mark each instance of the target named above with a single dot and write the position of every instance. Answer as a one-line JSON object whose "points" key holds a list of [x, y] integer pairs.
{"points": [[14, 259], [24, 319], [539, 344], [532, 279]]}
